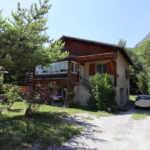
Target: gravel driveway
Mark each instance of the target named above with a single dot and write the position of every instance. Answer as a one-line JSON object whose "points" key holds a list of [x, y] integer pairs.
{"points": [[119, 132]]}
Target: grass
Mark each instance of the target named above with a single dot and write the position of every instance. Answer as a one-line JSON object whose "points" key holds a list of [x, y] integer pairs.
{"points": [[139, 116], [88, 118], [19, 132], [132, 99]]}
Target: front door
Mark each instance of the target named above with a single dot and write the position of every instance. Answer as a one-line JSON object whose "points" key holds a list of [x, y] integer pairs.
{"points": [[80, 72]]}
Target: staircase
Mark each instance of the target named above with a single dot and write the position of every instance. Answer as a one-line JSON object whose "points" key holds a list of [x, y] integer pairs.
{"points": [[85, 83]]}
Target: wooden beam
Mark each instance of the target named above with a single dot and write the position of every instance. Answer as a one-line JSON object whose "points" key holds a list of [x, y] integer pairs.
{"points": [[68, 86]]}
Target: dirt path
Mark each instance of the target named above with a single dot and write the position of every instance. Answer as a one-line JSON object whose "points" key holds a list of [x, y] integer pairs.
{"points": [[119, 132]]}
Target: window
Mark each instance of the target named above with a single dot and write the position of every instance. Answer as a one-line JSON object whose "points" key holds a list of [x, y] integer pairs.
{"points": [[59, 67], [55, 68], [39, 69], [126, 74], [102, 68], [64, 66], [74, 67], [46, 69]]}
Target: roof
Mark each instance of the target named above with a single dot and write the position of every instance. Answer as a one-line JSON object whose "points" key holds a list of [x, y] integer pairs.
{"points": [[119, 48]]}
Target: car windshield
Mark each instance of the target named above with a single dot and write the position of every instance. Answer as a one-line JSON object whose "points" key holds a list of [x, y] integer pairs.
{"points": [[144, 97]]}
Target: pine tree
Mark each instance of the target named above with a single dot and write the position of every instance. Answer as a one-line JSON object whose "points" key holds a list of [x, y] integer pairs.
{"points": [[22, 39]]}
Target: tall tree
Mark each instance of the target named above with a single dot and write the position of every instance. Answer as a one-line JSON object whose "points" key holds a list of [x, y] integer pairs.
{"points": [[22, 39], [122, 43], [144, 53]]}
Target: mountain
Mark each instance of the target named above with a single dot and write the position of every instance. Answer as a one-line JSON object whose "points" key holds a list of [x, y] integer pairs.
{"points": [[146, 38]]}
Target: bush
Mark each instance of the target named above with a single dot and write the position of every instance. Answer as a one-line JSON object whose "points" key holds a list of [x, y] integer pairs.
{"points": [[11, 94], [92, 102], [103, 91]]}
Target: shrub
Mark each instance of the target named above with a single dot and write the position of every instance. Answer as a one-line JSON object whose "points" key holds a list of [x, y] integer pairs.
{"points": [[11, 94], [40, 95], [103, 91], [92, 102]]}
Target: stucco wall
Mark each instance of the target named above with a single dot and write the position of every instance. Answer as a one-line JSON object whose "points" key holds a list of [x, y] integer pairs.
{"points": [[122, 82], [82, 95]]}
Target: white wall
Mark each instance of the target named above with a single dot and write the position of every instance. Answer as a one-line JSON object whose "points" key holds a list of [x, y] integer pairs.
{"points": [[122, 82], [82, 95]]}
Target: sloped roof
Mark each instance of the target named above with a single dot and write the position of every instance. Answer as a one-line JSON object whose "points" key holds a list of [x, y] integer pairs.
{"points": [[119, 48]]}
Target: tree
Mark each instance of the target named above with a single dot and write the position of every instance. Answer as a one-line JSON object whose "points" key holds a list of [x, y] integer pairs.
{"points": [[144, 52], [122, 43], [22, 39], [143, 83]]}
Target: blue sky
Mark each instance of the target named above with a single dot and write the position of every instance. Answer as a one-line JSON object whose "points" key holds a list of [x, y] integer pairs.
{"points": [[100, 20]]}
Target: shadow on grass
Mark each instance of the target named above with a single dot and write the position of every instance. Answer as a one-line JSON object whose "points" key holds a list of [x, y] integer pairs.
{"points": [[19, 132], [15, 110]]}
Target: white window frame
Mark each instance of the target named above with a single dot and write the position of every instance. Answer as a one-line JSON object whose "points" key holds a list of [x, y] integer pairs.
{"points": [[74, 67], [102, 67], [51, 70], [38, 73], [59, 67]]}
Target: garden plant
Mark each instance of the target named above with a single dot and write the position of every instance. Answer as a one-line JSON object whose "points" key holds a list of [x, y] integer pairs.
{"points": [[41, 95], [103, 92]]}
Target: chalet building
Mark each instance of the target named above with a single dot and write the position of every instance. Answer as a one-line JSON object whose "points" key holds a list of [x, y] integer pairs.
{"points": [[85, 59]]}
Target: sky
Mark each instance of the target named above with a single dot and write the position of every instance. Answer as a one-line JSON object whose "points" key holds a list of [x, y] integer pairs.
{"points": [[98, 20]]}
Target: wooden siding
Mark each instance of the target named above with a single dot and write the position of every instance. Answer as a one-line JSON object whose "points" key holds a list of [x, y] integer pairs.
{"points": [[79, 48]]}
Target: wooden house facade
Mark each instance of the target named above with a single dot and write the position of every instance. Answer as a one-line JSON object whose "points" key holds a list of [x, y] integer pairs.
{"points": [[85, 59]]}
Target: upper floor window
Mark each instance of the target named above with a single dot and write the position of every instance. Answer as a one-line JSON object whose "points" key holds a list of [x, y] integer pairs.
{"points": [[64, 66], [46, 69], [101, 68], [73, 67], [55, 68], [39, 69], [58, 67]]}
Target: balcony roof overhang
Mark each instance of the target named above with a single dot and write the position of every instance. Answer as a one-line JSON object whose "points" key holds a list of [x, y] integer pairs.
{"points": [[96, 57]]}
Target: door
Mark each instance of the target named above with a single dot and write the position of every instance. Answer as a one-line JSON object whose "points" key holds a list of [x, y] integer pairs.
{"points": [[121, 97], [80, 72]]}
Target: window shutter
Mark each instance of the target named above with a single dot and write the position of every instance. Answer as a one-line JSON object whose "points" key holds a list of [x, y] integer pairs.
{"points": [[91, 69], [109, 68]]}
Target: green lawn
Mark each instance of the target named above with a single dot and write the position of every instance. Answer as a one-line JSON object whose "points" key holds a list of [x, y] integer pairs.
{"points": [[139, 116], [19, 132]]}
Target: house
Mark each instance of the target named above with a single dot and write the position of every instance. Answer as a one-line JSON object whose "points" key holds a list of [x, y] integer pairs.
{"points": [[85, 59]]}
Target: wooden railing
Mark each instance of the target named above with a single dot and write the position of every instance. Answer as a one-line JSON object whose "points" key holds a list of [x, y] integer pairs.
{"points": [[84, 82]]}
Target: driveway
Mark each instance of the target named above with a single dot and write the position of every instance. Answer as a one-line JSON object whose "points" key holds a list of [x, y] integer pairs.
{"points": [[119, 132]]}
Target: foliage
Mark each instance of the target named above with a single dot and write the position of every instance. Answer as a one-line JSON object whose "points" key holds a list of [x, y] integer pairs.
{"points": [[11, 94], [92, 102], [122, 43], [1, 84], [142, 83], [17, 77], [22, 39], [144, 52], [40, 95], [102, 89]]}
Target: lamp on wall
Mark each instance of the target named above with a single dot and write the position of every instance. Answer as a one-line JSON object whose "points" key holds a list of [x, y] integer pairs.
{"points": [[117, 75]]}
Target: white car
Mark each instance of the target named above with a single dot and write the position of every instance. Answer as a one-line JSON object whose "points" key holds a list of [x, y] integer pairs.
{"points": [[142, 101]]}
